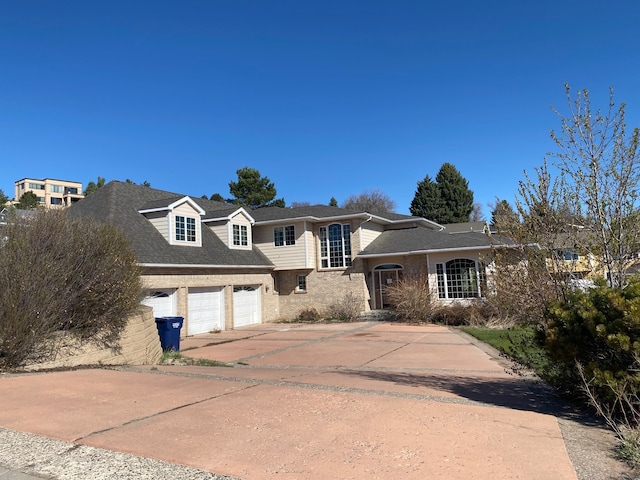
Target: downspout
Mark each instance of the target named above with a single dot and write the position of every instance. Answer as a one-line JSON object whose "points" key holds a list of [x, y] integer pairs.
{"points": [[306, 246]]}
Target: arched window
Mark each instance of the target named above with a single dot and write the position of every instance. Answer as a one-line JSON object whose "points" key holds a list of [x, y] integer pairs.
{"points": [[458, 278]]}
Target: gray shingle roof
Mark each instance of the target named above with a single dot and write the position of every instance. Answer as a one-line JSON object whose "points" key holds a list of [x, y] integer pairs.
{"points": [[418, 239], [320, 212], [119, 203]]}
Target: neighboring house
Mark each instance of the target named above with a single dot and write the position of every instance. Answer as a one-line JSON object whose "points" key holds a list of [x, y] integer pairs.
{"points": [[222, 266], [51, 193]]}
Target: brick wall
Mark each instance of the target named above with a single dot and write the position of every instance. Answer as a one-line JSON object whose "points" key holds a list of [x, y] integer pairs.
{"points": [[139, 345]]}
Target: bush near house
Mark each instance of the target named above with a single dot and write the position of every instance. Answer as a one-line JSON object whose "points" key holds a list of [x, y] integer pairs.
{"points": [[345, 309], [62, 280], [595, 335]]}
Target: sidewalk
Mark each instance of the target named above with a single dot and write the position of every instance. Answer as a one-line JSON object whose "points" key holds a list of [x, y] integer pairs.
{"points": [[362, 400]]}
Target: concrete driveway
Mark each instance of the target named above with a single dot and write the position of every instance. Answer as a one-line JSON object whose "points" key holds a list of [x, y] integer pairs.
{"points": [[342, 401]]}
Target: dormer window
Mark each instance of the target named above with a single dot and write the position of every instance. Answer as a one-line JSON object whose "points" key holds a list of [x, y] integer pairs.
{"points": [[240, 236], [185, 229]]}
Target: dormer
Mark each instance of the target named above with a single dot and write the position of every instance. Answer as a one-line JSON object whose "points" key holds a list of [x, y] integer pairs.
{"points": [[177, 219], [233, 226]]}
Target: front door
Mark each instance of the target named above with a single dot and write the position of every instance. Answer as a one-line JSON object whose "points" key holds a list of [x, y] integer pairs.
{"points": [[385, 276]]}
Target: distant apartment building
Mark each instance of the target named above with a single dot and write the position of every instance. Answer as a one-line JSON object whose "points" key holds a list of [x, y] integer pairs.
{"points": [[51, 193]]}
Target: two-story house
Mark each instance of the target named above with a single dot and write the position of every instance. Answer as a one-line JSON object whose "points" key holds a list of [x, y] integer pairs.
{"points": [[222, 266]]}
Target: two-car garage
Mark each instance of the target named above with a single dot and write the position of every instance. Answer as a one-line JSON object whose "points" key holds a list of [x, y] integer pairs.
{"points": [[206, 307]]}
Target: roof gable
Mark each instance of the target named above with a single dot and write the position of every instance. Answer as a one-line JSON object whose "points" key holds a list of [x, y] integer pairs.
{"points": [[170, 204]]}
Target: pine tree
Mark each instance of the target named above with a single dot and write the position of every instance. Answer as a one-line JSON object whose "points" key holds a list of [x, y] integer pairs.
{"points": [[253, 190], [426, 202], [503, 216], [457, 199], [447, 200]]}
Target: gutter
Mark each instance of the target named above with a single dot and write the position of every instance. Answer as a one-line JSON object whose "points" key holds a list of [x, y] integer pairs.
{"points": [[438, 250], [200, 266]]}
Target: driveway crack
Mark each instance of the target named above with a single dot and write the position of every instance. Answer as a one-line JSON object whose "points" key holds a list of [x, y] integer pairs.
{"points": [[164, 412]]}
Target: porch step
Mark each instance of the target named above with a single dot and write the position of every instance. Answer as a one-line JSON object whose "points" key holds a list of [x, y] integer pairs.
{"points": [[377, 315]]}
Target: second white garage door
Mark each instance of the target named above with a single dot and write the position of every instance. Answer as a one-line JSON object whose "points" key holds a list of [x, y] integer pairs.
{"points": [[206, 310], [246, 305]]}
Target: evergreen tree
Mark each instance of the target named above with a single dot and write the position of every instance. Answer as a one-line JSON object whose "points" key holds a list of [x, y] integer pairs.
{"points": [[93, 186], [457, 199], [28, 201], [3, 199], [333, 202], [253, 190], [447, 200], [503, 215], [426, 202]]}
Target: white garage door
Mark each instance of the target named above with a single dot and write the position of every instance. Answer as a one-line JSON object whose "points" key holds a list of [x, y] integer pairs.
{"points": [[206, 310], [163, 302], [246, 306]]}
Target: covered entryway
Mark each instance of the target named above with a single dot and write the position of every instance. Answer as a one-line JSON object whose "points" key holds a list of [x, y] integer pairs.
{"points": [[163, 302], [206, 310], [384, 276], [246, 305]]}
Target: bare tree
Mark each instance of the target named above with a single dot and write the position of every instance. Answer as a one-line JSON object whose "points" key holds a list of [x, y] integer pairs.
{"points": [[371, 201], [600, 161], [476, 213], [61, 281]]}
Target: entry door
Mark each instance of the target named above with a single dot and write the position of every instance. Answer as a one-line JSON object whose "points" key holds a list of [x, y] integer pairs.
{"points": [[385, 278]]}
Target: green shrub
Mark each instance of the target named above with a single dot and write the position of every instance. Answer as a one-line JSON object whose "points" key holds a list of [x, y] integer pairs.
{"points": [[599, 331], [61, 281]]}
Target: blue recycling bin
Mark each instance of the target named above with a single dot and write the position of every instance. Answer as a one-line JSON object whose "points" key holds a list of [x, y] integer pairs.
{"points": [[169, 332]]}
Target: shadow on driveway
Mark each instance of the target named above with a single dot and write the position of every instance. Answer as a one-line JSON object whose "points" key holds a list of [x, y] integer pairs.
{"points": [[516, 393]]}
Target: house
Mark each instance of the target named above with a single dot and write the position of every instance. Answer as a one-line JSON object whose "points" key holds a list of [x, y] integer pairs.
{"points": [[51, 193], [222, 266]]}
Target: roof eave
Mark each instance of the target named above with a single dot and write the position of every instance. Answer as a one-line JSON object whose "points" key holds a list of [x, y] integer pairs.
{"points": [[431, 250], [200, 266]]}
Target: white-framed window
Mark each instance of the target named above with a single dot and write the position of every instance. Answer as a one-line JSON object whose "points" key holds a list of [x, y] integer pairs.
{"points": [[335, 246], [56, 188], [240, 235], [284, 235], [459, 278], [185, 229], [301, 283], [36, 186]]}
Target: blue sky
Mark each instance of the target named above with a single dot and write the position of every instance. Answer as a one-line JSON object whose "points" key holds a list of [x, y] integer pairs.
{"points": [[327, 99]]}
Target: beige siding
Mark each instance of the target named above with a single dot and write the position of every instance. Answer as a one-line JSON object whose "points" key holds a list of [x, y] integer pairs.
{"points": [[186, 210], [240, 219], [368, 233], [221, 229], [160, 220], [300, 255]]}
